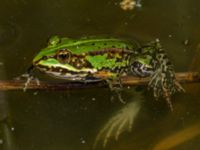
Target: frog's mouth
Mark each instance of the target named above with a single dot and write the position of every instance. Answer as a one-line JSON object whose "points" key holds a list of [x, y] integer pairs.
{"points": [[63, 71], [73, 76], [67, 76], [56, 66]]}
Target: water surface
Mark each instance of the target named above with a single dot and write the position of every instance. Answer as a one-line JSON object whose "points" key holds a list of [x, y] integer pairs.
{"points": [[71, 120]]}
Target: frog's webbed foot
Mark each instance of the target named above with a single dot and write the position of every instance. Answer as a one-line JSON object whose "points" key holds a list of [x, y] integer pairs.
{"points": [[116, 88], [123, 120], [163, 80], [29, 78], [164, 85]]}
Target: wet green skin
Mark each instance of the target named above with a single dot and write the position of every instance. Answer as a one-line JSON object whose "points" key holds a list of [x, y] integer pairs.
{"points": [[94, 59], [89, 58]]}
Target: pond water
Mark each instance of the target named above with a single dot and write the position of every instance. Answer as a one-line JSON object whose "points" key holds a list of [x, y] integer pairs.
{"points": [[71, 120]]}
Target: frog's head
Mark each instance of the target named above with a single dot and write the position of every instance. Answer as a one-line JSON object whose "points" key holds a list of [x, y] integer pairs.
{"points": [[54, 57], [141, 65]]}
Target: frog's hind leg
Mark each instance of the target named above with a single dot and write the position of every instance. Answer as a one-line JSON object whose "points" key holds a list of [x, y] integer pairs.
{"points": [[163, 80], [116, 87]]}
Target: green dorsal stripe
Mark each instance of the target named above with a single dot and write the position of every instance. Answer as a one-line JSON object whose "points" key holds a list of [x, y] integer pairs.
{"points": [[101, 61]]}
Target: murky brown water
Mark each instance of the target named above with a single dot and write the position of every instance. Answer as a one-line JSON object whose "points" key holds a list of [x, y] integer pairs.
{"points": [[41, 120]]}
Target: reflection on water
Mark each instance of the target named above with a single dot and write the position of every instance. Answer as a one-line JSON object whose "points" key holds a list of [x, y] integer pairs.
{"points": [[121, 121], [7, 141], [179, 138], [72, 120]]}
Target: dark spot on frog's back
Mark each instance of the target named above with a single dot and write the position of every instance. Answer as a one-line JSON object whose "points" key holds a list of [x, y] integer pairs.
{"points": [[94, 53], [113, 46], [99, 47]]}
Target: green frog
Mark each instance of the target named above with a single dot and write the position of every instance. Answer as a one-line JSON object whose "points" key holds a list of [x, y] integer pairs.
{"points": [[107, 59]]}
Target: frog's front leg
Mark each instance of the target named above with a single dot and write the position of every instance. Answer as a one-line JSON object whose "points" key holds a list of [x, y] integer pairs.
{"points": [[115, 86], [163, 80], [113, 80], [29, 77]]}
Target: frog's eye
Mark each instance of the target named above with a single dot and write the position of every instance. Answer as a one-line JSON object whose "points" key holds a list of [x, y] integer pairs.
{"points": [[63, 56]]}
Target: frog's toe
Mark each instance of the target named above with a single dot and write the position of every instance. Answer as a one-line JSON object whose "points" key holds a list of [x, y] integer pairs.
{"points": [[120, 97], [165, 85], [21, 77], [179, 88], [117, 92], [29, 78], [116, 89]]}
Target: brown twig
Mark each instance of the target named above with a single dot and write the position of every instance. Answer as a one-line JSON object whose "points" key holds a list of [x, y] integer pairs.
{"points": [[184, 77]]}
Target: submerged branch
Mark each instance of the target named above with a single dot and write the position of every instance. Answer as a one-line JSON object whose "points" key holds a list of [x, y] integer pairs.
{"points": [[184, 77]]}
